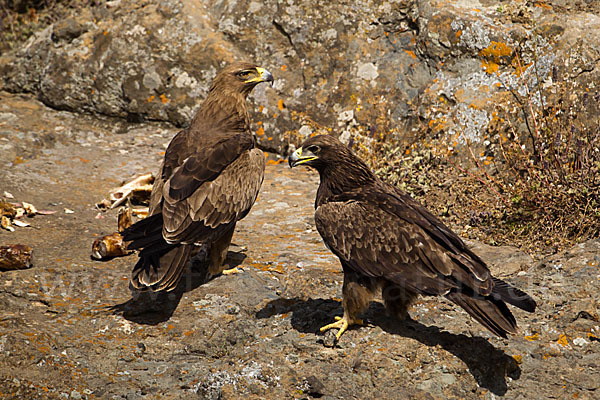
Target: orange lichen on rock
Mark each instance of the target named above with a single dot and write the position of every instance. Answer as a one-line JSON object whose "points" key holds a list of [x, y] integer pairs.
{"points": [[518, 358], [489, 66], [562, 340], [494, 54], [496, 51], [531, 338]]}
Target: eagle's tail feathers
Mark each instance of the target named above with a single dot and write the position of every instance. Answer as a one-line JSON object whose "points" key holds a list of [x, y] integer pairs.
{"points": [[490, 312]]}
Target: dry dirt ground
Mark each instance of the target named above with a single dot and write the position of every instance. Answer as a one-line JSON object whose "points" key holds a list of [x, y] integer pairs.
{"points": [[253, 335]]}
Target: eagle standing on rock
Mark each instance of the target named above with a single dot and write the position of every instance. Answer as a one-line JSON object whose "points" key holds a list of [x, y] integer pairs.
{"points": [[387, 241], [208, 180]]}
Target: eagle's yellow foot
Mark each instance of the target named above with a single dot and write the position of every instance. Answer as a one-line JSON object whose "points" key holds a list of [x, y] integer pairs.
{"points": [[232, 271], [343, 323]]}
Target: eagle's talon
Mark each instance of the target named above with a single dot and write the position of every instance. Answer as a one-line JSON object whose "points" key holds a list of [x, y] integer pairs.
{"points": [[342, 323]]}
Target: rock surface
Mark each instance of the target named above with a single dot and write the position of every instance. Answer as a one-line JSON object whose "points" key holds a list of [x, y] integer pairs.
{"points": [[253, 335], [393, 69]]}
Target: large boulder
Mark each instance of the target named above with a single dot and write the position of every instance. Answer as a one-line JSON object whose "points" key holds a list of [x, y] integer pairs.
{"points": [[379, 68]]}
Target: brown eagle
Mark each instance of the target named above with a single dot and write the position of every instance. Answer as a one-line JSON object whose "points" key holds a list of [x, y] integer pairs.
{"points": [[209, 179], [388, 242]]}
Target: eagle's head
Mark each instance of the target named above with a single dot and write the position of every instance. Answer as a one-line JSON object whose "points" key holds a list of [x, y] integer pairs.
{"points": [[319, 152], [240, 77], [340, 169]]}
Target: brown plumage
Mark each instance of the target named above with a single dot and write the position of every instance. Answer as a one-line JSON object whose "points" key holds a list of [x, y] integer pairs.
{"points": [[387, 241], [209, 179]]}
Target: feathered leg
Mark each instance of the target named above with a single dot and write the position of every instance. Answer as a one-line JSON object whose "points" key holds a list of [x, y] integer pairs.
{"points": [[218, 253], [397, 299], [357, 294]]}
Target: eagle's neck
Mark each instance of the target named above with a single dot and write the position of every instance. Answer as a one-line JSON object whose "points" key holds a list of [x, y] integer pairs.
{"points": [[226, 110], [341, 178]]}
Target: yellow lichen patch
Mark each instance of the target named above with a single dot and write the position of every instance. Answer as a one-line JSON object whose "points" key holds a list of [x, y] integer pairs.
{"points": [[260, 131], [149, 99], [563, 341], [188, 333], [518, 358], [164, 99], [284, 67], [531, 338], [493, 55], [280, 105], [411, 53], [489, 66], [458, 34], [278, 268]]}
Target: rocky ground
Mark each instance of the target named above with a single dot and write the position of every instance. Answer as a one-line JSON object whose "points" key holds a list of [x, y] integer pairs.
{"points": [[69, 328]]}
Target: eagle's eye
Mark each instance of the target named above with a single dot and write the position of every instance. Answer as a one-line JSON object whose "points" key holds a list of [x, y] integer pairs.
{"points": [[243, 74], [313, 149]]}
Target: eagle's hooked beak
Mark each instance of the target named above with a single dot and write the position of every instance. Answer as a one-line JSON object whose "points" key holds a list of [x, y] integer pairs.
{"points": [[296, 158], [263, 76]]}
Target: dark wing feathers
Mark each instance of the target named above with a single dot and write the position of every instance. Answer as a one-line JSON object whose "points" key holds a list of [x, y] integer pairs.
{"points": [[377, 243], [216, 203], [206, 164], [409, 210]]}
